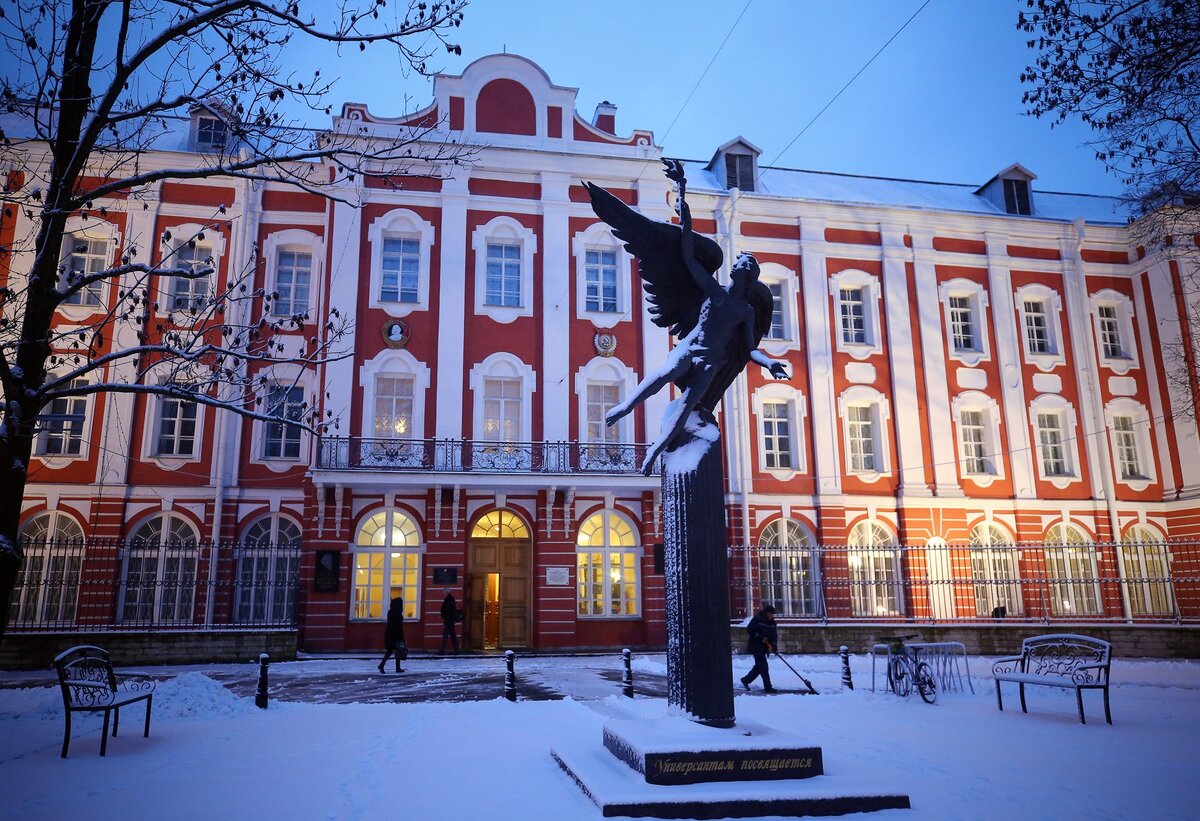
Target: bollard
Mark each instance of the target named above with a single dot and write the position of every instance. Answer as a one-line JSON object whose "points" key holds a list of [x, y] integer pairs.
{"points": [[510, 678], [847, 682], [260, 697], [627, 675]]}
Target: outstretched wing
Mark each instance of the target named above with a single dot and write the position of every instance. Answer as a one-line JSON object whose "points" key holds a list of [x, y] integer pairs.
{"points": [[674, 297]]}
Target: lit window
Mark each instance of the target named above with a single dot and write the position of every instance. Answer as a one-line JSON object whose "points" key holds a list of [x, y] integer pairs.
{"points": [[1050, 445], [853, 318], [600, 274], [83, 257], [1127, 448], [160, 572], [281, 439], [401, 274], [787, 570], [503, 275], [268, 571], [601, 398], [293, 275], [874, 563], [995, 573], [387, 565], [176, 427], [777, 435], [47, 584], [1037, 330], [1147, 572], [606, 564], [861, 438], [393, 407], [962, 324], [500, 524], [502, 410], [60, 426], [190, 293]]}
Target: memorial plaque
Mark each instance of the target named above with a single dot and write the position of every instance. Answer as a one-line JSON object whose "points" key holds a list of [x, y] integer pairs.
{"points": [[328, 569], [558, 576], [731, 764], [445, 575]]}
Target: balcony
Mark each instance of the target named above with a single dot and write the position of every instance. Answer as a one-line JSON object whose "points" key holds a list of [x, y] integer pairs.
{"points": [[355, 453]]}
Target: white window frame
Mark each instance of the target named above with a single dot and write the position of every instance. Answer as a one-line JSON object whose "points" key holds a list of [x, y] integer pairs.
{"points": [[395, 363], [977, 297], [1053, 304], [1075, 546], [1053, 403], [992, 443], [1125, 406], [388, 550], [786, 552], [995, 570], [503, 365], [180, 234], [290, 376], [772, 273], [46, 589], [866, 396], [92, 228], [58, 460], [160, 553], [1123, 306], [598, 237], [866, 559], [206, 145], [268, 562], [509, 231], [797, 419], [400, 223], [295, 239], [150, 437], [872, 295], [607, 551], [1145, 584], [606, 370]]}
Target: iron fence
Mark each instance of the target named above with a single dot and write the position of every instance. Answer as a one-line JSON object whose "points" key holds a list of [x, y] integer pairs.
{"points": [[1151, 582], [104, 585], [473, 455]]}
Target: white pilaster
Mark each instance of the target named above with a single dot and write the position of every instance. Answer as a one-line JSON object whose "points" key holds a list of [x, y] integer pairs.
{"points": [[819, 339], [1008, 359], [452, 312], [1150, 359], [557, 271], [1180, 410], [344, 283]]}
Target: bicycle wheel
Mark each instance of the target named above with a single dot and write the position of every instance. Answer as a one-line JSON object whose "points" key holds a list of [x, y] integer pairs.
{"points": [[926, 683], [898, 679]]}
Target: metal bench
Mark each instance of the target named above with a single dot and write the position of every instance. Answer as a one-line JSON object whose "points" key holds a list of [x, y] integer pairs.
{"points": [[1059, 660], [89, 684]]}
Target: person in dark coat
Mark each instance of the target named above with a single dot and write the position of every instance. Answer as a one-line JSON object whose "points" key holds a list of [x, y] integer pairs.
{"points": [[393, 635], [449, 619], [763, 638]]}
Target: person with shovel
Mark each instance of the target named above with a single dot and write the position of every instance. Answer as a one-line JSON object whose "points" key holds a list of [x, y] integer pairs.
{"points": [[763, 638]]}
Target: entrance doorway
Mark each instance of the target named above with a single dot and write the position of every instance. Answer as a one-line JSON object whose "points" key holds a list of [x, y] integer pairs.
{"points": [[499, 554]]}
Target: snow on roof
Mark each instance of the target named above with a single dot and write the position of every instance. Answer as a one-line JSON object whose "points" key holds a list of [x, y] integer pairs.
{"points": [[936, 196]]}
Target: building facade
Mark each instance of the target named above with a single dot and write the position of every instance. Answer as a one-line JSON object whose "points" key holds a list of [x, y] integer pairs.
{"points": [[980, 422]]}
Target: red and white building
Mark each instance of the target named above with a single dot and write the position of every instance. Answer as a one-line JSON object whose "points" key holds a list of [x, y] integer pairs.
{"points": [[972, 365]]}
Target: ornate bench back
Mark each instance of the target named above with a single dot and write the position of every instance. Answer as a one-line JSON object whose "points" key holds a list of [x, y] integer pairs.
{"points": [[86, 676], [1064, 655]]}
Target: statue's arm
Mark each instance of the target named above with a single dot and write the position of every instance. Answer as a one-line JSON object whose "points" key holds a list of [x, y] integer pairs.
{"points": [[687, 246], [777, 367]]}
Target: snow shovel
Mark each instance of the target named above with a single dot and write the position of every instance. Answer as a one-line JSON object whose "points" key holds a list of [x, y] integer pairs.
{"points": [[811, 690]]}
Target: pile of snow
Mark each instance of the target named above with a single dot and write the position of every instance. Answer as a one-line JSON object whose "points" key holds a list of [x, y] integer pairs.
{"points": [[196, 696]]}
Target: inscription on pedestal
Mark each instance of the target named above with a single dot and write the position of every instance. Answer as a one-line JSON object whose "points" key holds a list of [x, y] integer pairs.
{"points": [[701, 766]]}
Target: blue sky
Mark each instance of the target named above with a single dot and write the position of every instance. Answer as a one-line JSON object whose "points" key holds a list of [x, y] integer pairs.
{"points": [[942, 102]]}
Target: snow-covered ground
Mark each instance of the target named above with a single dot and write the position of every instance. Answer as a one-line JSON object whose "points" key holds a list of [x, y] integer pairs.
{"points": [[212, 754]]}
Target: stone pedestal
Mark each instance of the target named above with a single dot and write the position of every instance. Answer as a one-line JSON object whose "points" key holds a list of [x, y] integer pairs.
{"points": [[699, 664]]}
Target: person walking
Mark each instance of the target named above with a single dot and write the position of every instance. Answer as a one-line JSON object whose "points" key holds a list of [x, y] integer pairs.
{"points": [[449, 619], [762, 640], [393, 635]]}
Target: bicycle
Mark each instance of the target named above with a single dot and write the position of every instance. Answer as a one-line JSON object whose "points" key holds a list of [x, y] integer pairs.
{"points": [[905, 669]]}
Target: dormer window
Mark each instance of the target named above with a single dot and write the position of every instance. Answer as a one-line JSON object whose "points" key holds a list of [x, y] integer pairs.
{"points": [[1016, 197], [739, 171], [211, 133]]}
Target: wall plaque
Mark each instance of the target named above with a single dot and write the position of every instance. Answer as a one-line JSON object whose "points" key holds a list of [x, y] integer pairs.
{"points": [[329, 565], [445, 575], [558, 576]]}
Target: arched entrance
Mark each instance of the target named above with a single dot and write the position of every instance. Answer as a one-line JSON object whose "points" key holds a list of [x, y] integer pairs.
{"points": [[499, 552]]}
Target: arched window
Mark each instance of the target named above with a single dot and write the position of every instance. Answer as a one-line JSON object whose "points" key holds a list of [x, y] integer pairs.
{"points": [[1147, 572], [47, 586], [606, 565], [995, 571], [874, 561], [160, 572], [787, 570], [500, 524], [268, 567], [1071, 566], [387, 564]]}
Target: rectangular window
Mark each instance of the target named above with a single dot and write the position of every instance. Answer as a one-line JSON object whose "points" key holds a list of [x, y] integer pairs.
{"points": [[1016, 197], [1127, 450], [861, 431], [60, 426], [777, 435], [83, 257], [393, 407], [1050, 442], [1110, 332], [778, 330], [380, 576], [503, 275], [211, 133], [190, 294], [739, 171], [282, 440], [176, 427], [601, 398], [853, 319], [600, 273], [608, 583], [502, 410], [962, 324], [970, 426], [1037, 329], [293, 273], [401, 269]]}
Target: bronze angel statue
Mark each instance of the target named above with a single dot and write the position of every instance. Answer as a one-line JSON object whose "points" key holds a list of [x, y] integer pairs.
{"points": [[718, 328]]}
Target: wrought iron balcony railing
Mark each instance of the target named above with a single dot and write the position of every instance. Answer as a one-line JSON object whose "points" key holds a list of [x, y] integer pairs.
{"points": [[473, 455]]}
